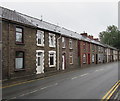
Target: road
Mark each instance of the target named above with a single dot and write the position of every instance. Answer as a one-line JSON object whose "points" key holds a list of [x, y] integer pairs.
{"points": [[87, 83]]}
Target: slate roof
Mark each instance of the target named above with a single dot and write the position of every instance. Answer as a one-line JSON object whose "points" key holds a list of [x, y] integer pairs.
{"points": [[13, 16], [25, 19]]}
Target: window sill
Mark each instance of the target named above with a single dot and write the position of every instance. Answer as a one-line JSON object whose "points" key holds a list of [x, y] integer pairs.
{"points": [[19, 43], [40, 45], [52, 46], [71, 48], [63, 47], [17, 70], [52, 66]]}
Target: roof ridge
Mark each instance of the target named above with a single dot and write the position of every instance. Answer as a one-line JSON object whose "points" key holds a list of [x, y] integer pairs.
{"points": [[37, 19]]}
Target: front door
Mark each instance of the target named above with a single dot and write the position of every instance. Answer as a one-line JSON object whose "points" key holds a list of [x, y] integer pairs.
{"points": [[88, 58], [96, 59], [63, 62], [40, 61]]}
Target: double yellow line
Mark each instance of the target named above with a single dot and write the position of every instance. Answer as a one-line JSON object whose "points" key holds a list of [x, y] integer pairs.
{"points": [[109, 94]]}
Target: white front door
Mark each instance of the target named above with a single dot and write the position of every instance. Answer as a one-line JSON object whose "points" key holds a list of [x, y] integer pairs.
{"points": [[39, 61], [63, 62]]}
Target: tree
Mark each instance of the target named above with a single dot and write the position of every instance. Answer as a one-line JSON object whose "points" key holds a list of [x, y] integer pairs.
{"points": [[111, 36]]}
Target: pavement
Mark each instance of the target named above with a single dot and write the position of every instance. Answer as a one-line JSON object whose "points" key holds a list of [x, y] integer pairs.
{"points": [[87, 83]]}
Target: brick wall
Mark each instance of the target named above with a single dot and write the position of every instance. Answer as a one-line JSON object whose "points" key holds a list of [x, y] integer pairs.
{"points": [[67, 51]]}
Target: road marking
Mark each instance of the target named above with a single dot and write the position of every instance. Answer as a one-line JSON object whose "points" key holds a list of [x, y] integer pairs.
{"points": [[84, 75], [111, 91], [74, 77], [36, 90], [79, 76], [21, 83], [98, 70], [34, 80]]}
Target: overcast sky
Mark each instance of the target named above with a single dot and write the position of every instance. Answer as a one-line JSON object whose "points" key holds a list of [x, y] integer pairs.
{"points": [[91, 17]]}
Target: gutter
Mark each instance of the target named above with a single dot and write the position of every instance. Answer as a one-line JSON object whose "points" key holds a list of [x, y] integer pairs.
{"points": [[58, 51]]}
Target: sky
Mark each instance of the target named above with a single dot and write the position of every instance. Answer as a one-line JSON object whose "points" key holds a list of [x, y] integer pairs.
{"points": [[79, 16]]}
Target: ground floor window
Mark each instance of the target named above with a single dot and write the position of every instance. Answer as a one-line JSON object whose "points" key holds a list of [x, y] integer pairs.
{"points": [[93, 58], [19, 60], [84, 58], [52, 58], [71, 58]]}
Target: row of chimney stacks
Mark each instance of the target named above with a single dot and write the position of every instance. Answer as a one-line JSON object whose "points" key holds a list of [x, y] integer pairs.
{"points": [[89, 36]]}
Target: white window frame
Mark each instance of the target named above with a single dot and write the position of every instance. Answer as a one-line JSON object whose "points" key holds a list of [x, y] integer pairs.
{"points": [[71, 55], [63, 42], [54, 41], [54, 52], [70, 46], [39, 32], [84, 62]]}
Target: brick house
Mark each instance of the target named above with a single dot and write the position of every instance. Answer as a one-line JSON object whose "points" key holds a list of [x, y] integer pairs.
{"points": [[85, 50], [0, 49], [18, 49], [47, 40], [68, 49]]}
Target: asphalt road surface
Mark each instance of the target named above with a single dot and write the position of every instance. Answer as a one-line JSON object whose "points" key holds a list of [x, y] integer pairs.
{"points": [[87, 83]]}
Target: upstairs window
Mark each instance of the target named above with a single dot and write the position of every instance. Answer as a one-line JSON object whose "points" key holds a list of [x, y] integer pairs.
{"points": [[19, 35], [88, 47], [51, 40], [99, 48], [40, 38], [70, 43], [84, 46], [93, 48], [63, 42], [19, 60]]}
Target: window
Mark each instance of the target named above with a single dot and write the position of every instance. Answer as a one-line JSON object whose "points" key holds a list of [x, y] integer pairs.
{"points": [[93, 58], [71, 58], [51, 40], [84, 46], [63, 42], [70, 43], [19, 60], [93, 48], [84, 58], [88, 47], [0, 31], [19, 35], [40, 38], [99, 48], [52, 58]]}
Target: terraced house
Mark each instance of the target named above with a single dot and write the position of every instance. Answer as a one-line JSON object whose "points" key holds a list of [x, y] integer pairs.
{"points": [[18, 45], [30, 47]]}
